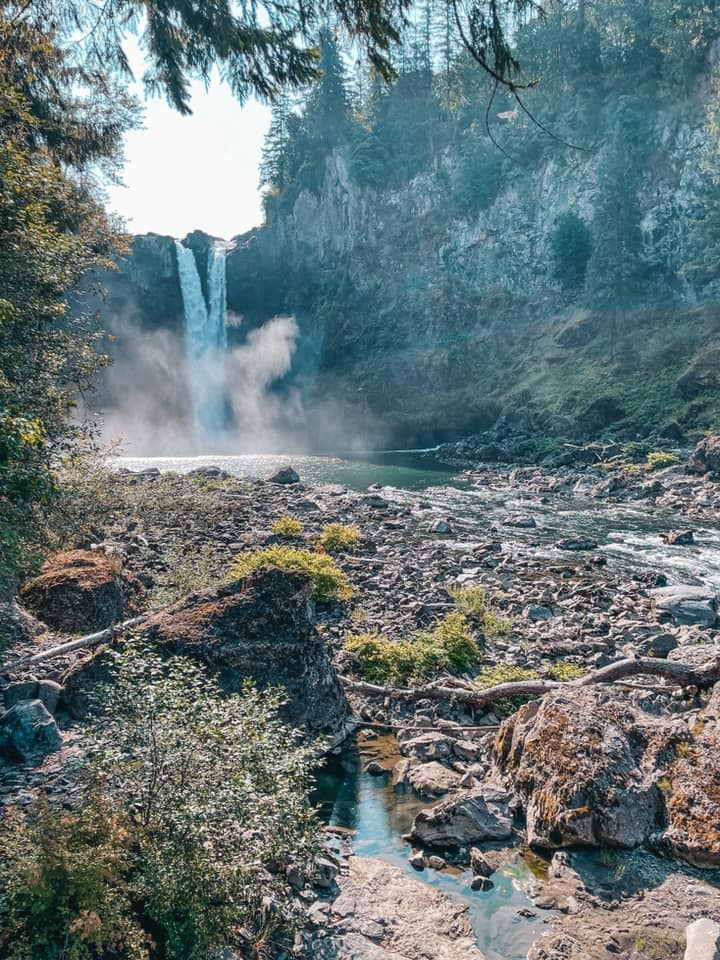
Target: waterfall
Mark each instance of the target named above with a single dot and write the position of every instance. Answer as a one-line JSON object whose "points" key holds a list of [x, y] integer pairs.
{"points": [[205, 337]]}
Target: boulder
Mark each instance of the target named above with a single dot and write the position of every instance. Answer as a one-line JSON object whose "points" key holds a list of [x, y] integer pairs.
{"points": [[16, 624], [285, 475], [480, 814], [28, 731], [261, 628], [693, 803], [577, 544], [432, 779], [705, 458], [687, 604], [585, 764], [79, 591], [702, 940], [679, 538], [428, 746], [522, 523], [440, 526]]}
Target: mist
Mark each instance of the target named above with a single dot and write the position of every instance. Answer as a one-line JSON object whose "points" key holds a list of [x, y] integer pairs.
{"points": [[273, 405]]}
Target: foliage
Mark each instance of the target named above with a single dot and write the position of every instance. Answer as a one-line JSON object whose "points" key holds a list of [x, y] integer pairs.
{"points": [[329, 581], [565, 671], [188, 569], [338, 538], [60, 127], [659, 459], [503, 673], [571, 245], [197, 805], [287, 527], [472, 602], [636, 450], [449, 646]]}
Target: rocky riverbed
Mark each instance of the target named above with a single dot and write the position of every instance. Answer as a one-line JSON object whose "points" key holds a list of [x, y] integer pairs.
{"points": [[628, 771]]}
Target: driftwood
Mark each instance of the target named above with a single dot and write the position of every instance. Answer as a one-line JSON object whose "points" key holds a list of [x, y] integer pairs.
{"points": [[89, 641], [677, 673]]}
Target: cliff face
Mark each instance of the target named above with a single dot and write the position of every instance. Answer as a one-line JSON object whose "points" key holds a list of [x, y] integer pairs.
{"points": [[437, 321], [420, 320]]}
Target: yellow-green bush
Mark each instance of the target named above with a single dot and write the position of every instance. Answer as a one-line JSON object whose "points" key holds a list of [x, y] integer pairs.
{"points": [[287, 527], [565, 671], [449, 646], [503, 673], [659, 459], [329, 582], [337, 538], [473, 602]]}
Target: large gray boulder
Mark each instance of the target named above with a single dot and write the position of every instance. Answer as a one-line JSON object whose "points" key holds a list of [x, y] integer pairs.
{"points": [[687, 604], [705, 457], [703, 940], [583, 762], [481, 814], [27, 731]]}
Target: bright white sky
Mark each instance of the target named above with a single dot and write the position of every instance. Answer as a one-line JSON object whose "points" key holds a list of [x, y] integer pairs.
{"points": [[193, 173]]}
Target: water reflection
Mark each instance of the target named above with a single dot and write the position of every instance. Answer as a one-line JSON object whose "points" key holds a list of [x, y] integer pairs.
{"points": [[369, 805]]}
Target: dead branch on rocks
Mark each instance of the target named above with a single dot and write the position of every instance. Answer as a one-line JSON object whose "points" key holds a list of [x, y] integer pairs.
{"points": [[88, 641], [678, 673]]}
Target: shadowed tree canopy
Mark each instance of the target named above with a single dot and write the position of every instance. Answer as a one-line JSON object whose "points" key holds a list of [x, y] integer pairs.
{"points": [[259, 46]]}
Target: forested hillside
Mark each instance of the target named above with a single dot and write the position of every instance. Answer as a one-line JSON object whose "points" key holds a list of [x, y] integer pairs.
{"points": [[455, 250]]}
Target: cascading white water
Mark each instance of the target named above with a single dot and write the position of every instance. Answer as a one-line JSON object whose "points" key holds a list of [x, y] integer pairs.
{"points": [[205, 337]]}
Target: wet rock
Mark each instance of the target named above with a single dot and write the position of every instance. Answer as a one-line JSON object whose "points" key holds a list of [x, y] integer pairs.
{"points": [[687, 604], [375, 501], [440, 526], [28, 731], [436, 863], [481, 814], [539, 614], [705, 458], [417, 861], [679, 538], [583, 765], [521, 522], [479, 864], [79, 591], [376, 769], [285, 475], [481, 883], [259, 628], [577, 544], [703, 940]]}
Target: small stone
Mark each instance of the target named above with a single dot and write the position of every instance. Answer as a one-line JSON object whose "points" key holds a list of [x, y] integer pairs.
{"points": [[679, 538], [481, 883], [417, 861], [376, 769], [577, 544], [479, 863], [440, 526], [437, 863]]}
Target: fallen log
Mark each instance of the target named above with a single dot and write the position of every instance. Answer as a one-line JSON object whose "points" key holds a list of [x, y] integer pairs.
{"points": [[92, 639], [678, 673]]}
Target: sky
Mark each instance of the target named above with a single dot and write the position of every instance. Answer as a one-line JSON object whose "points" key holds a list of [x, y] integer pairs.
{"points": [[196, 172]]}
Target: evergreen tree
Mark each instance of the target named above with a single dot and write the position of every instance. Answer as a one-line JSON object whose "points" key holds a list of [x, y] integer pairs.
{"points": [[571, 245]]}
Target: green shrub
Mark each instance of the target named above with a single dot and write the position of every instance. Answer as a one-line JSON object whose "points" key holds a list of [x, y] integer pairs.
{"points": [[472, 602], [636, 450], [197, 805], [449, 646], [503, 673], [189, 569], [337, 538], [565, 671], [287, 527], [329, 582], [659, 459]]}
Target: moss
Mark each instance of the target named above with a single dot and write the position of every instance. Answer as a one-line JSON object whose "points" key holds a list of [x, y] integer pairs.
{"points": [[658, 459], [565, 671], [337, 538], [287, 527], [449, 646], [329, 581], [472, 602]]}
